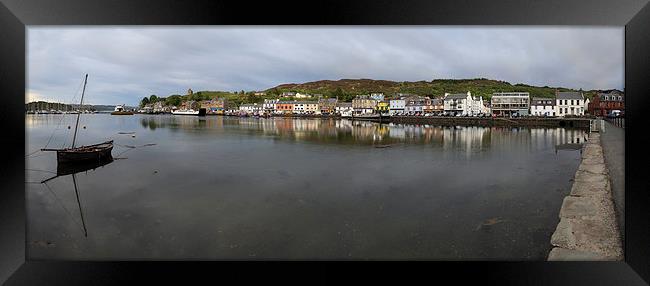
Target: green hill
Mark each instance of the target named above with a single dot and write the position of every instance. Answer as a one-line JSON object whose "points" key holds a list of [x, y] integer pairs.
{"points": [[347, 89]]}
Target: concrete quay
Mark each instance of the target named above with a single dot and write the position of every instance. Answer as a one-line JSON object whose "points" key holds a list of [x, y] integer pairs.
{"points": [[588, 228]]}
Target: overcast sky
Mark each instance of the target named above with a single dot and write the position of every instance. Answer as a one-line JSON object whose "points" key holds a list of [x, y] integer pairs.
{"points": [[127, 63]]}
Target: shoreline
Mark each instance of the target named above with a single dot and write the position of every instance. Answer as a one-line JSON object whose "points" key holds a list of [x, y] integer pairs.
{"points": [[581, 122]]}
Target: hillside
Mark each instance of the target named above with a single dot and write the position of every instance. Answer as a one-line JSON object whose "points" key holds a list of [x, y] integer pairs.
{"points": [[347, 89], [480, 87]]}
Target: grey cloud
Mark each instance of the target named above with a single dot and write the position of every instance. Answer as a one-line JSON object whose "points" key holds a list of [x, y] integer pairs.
{"points": [[127, 63]]}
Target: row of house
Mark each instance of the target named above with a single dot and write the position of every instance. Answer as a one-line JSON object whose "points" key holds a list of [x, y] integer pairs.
{"points": [[465, 104]]}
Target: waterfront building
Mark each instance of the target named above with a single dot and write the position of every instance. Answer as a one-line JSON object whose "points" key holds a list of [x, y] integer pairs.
{"points": [[569, 103], [416, 104], [305, 107], [541, 106], [510, 103], [382, 106], [604, 103], [253, 108], [215, 106], [459, 103], [190, 104], [327, 105], [436, 106], [477, 106], [269, 105], [344, 108], [284, 107], [260, 93], [397, 105], [364, 104]]}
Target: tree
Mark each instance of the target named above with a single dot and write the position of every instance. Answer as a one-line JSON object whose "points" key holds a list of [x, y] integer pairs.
{"points": [[153, 98], [144, 101], [174, 100]]}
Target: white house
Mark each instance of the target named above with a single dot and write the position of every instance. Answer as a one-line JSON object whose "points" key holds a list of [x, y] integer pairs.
{"points": [[540, 106], [251, 108], [343, 108], [302, 95], [570, 103], [269, 105], [396, 106], [460, 103], [477, 106]]}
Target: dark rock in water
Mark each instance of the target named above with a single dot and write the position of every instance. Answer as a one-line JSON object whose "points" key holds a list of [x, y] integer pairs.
{"points": [[382, 146]]}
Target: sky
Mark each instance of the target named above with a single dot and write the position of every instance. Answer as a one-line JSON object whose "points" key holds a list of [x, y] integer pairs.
{"points": [[127, 63]]}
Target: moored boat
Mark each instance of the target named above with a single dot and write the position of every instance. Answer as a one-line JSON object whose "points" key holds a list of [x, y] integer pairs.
{"points": [[83, 154], [200, 112], [120, 110]]}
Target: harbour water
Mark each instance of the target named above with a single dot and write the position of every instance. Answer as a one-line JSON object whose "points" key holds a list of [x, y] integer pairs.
{"points": [[280, 188]]}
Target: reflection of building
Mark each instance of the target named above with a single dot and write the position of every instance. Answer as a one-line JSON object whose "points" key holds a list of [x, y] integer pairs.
{"points": [[570, 103], [604, 103], [510, 103], [540, 106]]}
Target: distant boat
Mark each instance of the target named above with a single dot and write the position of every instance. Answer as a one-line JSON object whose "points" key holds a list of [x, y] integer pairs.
{"points": [[120, 110], [200, 112], [83, 154]]}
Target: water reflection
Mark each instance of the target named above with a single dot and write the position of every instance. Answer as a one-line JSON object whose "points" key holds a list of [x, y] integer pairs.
{"points": [[469, 140]]}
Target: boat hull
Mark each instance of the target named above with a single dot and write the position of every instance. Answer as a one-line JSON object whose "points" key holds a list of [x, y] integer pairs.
{"points": [[200, 112], [91, 153]]}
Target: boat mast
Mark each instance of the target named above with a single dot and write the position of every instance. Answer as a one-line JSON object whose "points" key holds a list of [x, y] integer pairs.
{"points": [[79, 114]]}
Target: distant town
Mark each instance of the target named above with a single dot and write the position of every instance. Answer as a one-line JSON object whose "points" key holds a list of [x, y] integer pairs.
{"points": [[338, 98]]}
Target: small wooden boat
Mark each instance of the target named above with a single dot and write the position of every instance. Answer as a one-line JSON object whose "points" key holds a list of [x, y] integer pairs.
{"points": [[83, 154], [92, 153]]}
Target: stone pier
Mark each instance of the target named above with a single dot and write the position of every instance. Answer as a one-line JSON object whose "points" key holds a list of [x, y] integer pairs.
{"points": [[588, 229]]}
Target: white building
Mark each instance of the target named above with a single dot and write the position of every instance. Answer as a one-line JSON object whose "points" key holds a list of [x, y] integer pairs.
{"points": [[302, 95], [269, 105], [251, 108], [477, 106], [540, 106], [344, 108], [305, 107], [460, 103], [396, 106], [570, 103]]}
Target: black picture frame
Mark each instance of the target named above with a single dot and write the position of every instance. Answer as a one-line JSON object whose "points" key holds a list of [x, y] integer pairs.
{"points": [[15, 15]]}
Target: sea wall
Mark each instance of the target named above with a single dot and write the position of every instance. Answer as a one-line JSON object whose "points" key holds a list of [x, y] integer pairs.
{"points": [[588, 229], [479, 121]]}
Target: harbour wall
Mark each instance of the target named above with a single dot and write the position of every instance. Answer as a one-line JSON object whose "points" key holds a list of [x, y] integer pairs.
{"points": [[588, 229]]}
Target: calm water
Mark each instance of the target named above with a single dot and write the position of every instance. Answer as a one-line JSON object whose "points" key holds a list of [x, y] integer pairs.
{"points": [[248, 188]]}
